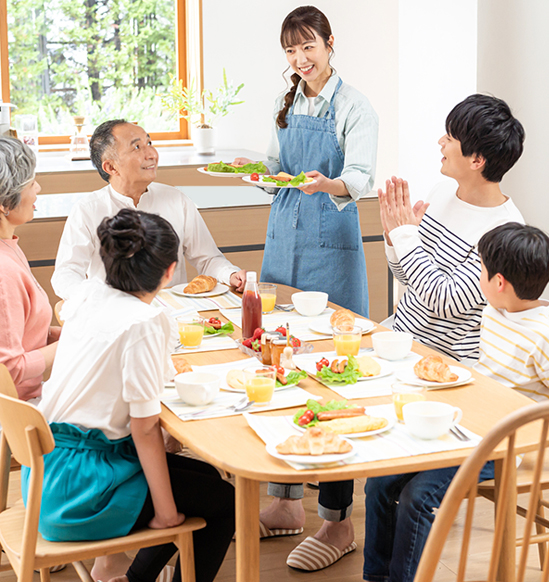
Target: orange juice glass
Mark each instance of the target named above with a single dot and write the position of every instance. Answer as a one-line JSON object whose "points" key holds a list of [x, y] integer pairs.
{"points": [[347, 340], [403, 394], [267, 292], [260, 384], [191, 331]]}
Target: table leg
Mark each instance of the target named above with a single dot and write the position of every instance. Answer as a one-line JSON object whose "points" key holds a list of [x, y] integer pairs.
{"points": [[247, 530], [507, 559]]}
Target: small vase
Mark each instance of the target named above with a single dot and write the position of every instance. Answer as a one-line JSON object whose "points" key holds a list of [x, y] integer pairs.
{"points": [[204, 139]]}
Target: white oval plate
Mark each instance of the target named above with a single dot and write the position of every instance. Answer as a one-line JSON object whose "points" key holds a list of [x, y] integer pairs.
{"points": [[222, 174], [325, 327], [311, 459], [219, 289], [247, 178], [355, 435], [409, 376]]}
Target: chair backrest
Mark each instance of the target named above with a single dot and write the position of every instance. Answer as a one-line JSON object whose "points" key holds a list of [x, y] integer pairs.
{"points": [[7, 386], [57, 310], [464, 485]]}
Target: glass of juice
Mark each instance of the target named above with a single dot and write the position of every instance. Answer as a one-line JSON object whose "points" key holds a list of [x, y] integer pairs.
{"points": [[347, 340], [260, 384], [191, 331], [267, 292], [403, 394]]}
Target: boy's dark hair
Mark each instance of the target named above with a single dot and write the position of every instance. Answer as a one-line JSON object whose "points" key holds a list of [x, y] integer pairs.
{"points": [[136, 249], [101, 141], [485, 126], [520, 253]]}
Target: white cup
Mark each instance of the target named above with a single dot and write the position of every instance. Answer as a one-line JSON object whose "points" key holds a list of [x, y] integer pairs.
{"points": [[392, 345], [430, 420], [197, 388]]}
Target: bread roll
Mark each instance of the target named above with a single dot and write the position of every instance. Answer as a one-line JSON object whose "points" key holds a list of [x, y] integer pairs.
{"points": [[201, 284], [342, 318]]}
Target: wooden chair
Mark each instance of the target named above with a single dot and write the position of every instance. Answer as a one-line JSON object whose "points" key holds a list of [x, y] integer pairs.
{"points": [[57, 310], [27, 434], [465, 485]]}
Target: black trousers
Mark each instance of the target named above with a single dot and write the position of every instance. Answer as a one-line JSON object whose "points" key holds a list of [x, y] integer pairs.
{"points": [[199, 491]]}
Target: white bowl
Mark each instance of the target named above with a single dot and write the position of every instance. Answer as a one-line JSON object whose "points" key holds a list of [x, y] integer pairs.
{"points": [[310, 303], [197, 388], [392, 345]]}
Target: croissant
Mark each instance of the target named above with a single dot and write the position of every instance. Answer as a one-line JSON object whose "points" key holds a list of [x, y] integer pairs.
{"points": [[201, 284], [433, 369], [342, 318], [181, 365], [315, 441]]}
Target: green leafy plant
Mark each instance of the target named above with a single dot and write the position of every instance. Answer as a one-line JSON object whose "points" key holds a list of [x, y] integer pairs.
{"points": [[202, 109]]}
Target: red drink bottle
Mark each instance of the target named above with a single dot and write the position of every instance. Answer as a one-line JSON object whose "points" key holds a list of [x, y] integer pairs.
{"points": [[251, 306]]}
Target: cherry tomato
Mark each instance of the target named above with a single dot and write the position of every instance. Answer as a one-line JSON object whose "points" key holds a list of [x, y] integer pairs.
{"points": [[281, 330], [214, 320], [307, 417], [254, 177], [322, 364]]}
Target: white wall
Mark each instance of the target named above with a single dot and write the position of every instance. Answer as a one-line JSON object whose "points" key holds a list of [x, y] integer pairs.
{"points": [[366, 56]]}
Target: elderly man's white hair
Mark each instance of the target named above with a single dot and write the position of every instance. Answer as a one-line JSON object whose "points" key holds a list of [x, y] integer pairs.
{"points": [[17, 165]]}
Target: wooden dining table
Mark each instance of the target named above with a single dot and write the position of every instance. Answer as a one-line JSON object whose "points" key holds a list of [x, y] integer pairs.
{"points": [[231, 445]]}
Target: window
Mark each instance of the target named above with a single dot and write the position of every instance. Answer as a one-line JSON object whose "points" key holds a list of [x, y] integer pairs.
{"points": [[97, 58]]}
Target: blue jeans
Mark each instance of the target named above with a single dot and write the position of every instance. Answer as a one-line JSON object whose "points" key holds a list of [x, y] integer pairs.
{"points": [[399, 515]]}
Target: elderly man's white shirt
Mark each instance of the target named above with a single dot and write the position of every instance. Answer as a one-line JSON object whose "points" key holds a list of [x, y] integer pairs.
{"points": [[78, 254]]}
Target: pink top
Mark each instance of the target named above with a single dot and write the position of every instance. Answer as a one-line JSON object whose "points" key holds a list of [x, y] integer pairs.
{"points": [[25, 317]]}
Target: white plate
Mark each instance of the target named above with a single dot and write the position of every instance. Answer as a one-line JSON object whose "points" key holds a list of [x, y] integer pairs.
{"points": [[409, 376], [312, 459], [219, 289], [309, 365], [324, 326], [355, 435], [222, 174], [247, 178]]}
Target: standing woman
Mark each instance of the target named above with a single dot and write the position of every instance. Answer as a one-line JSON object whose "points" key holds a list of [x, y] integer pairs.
{"points": [[329, 130], [27, 342]]}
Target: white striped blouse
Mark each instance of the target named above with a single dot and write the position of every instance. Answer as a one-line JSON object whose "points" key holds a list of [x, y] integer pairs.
{"points": [[440, 267]]}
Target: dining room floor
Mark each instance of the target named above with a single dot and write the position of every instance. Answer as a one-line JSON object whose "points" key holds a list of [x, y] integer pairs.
{"points": [[349, 569]]}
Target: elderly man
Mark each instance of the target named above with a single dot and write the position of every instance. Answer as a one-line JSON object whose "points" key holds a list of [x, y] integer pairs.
{"points": [[125, 158]]}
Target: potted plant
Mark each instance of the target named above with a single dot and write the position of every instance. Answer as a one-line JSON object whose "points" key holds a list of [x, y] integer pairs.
{"points": [[202, 110]]}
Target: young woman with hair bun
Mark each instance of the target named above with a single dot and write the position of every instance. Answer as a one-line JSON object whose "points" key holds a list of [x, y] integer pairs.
{"points": [[109, 473], [327, 129]]}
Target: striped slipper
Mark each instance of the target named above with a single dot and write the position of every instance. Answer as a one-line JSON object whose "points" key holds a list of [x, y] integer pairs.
{"points": [[312, 555], [265, 532], [166, 575]]}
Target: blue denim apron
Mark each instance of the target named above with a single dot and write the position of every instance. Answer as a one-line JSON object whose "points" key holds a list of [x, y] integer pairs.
{"points": [[310, 244], [94, 488]]}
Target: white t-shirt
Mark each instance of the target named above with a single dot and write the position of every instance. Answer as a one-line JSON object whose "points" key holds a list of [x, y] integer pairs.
{"points": [[439, 264], [78, 254], [112, 361], [514, 349]]}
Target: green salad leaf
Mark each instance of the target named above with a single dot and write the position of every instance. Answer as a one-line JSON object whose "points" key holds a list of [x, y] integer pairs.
{"points": [[258, 167], [223, 330], [316, 407], [349, 376], [296, 181], [293, 378], [221, 167]]}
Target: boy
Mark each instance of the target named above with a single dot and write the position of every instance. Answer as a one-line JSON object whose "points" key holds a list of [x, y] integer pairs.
{"points": [[514, 337], [431, 249]]}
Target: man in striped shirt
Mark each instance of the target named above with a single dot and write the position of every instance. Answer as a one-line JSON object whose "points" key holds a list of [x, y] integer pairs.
{"points": [[514, 335], [431, 247]]}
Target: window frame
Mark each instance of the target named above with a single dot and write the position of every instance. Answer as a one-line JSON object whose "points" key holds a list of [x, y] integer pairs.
{"points": [[182, 20]]}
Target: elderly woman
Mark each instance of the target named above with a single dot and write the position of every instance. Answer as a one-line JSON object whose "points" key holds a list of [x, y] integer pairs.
{"points": [[27, 341]]}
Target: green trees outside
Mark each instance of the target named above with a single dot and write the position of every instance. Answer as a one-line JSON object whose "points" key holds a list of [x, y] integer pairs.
{"points": [[98, 58]]}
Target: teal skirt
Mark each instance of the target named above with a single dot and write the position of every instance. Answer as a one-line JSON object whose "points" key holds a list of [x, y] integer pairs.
{"points": [[93, 489]]}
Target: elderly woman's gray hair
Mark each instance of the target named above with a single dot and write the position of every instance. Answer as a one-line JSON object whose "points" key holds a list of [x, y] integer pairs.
{"points": [[17, 165]]}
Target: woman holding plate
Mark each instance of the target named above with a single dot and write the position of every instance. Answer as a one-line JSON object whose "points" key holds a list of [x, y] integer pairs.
{"points": [[329, 130]]}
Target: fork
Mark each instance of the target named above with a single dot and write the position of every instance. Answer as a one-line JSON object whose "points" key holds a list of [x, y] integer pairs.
{"points": [[459, 435], [235, 406], [287, 308]]}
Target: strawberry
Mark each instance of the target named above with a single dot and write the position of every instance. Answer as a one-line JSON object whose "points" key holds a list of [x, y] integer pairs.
{"points": [[295, 342], [257, 333], [256, 345], [281, 330], [247, 343]]}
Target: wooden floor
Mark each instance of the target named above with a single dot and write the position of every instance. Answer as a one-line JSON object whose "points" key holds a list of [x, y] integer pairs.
{"points": [[349, 569]]}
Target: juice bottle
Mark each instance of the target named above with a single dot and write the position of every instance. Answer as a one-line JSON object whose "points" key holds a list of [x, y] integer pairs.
{"points": [[251, 306]]}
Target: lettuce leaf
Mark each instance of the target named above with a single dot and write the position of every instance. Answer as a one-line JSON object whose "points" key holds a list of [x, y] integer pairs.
{"points": [[221, 167], [349, 376], [293, 378], [258, 167], [223, 330], [299, 179], [316, 407]]}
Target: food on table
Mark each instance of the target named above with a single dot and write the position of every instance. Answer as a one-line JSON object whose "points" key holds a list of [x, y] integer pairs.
{"points": [[315, 441], [252, 317], [402, 398], [354, 424], [215, 326], [260, 384], [282, 179], [342, 413], [181, 365], [236, 379], [254, 342], [307, 417], [433, 369], [201, 284], [190, 333], [347, 340], [251, 168], [368, 366], [341, 371], [291, 379], [342, 318]]}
